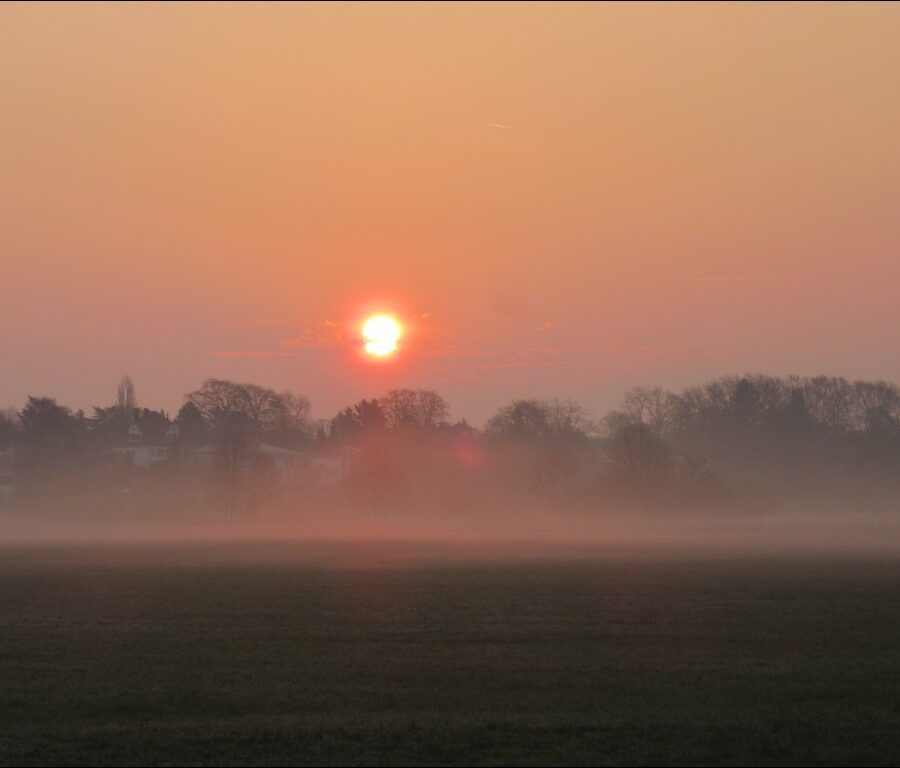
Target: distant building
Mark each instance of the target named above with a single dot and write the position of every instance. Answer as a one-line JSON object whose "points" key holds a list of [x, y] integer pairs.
{"points": [[147, 445], [287, 466], [332, 465], [323, 468]]}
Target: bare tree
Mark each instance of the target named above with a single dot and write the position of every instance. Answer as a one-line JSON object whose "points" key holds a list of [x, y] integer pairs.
{"points": [[567, 419], [554, 432], [125, 398], [829, 401], [239, 415], [9, 426], [876, 406], [291, 411], [218, 399], [370, 416], [640, 453], [540, 421], [417, 409], [235, 437], [520, 421]]}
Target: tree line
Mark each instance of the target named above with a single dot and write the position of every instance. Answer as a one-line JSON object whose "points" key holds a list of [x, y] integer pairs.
{"points": [[731, 439]]}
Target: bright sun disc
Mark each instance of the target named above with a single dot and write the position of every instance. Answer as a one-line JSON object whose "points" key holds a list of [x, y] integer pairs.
{"points": [[380, 335]]}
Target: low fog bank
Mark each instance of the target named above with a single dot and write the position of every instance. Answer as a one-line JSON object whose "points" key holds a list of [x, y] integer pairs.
{"points": [[398, 537], [750, 464]]}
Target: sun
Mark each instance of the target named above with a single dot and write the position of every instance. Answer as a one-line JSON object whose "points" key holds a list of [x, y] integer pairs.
{"points": [[380, 335]]}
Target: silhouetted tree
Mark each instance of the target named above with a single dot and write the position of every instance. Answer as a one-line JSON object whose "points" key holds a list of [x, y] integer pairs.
{"points": [[288, 422], [9, 427], [523, 421], [344, 425], [192, 427], [366, 418], [370, 415], [125, 398], [239, 415], [217, 400], [51, 434], [279, 414], [794, 431], [654, 407], [414, 409], [876, 407], [540, 422], [235, 438], [640, 454], [555, 432]]}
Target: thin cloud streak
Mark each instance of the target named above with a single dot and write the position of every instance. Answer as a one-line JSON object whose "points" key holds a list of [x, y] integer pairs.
{"points": [[325, 334], [252, 354], [740, 279]]}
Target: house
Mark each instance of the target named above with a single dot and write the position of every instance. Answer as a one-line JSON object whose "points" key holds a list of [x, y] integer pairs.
{"points": [[330, 466], [287, 466], [323, 468], [147, 444], [7, 473]]}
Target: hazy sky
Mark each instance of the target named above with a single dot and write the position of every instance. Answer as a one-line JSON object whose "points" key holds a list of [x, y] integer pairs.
{"points": [[558, 200]]}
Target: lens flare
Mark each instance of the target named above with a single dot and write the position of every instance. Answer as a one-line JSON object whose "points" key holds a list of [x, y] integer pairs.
{"points": [[380, 335]]}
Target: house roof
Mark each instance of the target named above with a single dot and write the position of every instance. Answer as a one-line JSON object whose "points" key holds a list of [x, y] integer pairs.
{"points": [[264, 448], [332, 452], [150, 433], [274, 450]]}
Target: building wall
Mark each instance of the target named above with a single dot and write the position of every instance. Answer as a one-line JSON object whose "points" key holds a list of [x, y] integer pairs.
{"points": [[144, 456]]}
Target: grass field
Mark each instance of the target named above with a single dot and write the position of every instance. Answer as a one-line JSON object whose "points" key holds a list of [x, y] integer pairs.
{"points": [[230, 654]]}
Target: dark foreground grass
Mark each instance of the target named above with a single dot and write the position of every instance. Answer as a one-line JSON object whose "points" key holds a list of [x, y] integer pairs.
{"points": [[155, 656]]}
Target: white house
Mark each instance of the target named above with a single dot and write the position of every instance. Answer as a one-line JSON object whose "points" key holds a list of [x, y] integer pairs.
{"points": [[287, 465], [330, 467], [144, 450]]}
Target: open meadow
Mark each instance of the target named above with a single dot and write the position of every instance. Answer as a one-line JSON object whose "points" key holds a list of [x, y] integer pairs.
{"points": [[287, 653]]}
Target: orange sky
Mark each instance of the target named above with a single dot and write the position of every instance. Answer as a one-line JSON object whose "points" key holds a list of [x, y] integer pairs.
{"points": [[560, 200]]}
